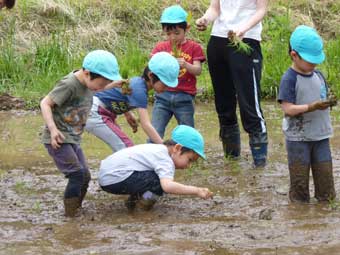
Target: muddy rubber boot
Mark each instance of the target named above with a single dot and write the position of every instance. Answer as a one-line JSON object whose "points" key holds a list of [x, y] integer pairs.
{"points": [[84, 187], [231, 141], [71, 206], [299, 183], [258, 143], [323, 181], [147, 201], [131, 202]]}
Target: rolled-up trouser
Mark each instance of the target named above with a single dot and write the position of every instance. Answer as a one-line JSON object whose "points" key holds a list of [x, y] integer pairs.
{"points": [[70, 160], [102, 123], [305, 155]]}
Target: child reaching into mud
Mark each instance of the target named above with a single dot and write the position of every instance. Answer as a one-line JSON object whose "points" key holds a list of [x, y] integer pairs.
{"points": [[307, 125], [146, 171], [65, 110]]}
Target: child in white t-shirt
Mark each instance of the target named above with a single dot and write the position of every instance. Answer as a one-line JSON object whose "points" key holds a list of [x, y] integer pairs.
{"points": [[145, 171]]}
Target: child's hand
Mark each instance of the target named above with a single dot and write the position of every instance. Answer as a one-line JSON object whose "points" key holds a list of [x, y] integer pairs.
{"points": [[318, 105], [181, 62], [204, 193], [57, 138], [201, 24], [130, 118]]}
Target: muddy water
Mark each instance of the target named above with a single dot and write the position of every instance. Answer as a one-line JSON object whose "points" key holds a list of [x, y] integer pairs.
{"points": [[250, 213]]}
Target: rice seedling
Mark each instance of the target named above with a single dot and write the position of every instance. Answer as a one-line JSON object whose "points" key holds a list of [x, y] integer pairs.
{"points": [[236, 42]]}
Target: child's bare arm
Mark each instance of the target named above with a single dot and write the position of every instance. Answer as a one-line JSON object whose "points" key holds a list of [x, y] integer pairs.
{"points": [[291, 109], [46, 106], [172, 187], [195, 68], [147, 126], [115, 84]]}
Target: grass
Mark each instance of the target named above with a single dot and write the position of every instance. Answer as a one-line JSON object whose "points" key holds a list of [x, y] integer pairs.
{"points": [[42, 41]]}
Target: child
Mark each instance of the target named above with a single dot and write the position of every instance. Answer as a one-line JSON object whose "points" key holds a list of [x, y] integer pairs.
{"points": [[7, 3], [161, 72], [307, 125], [145, 171], [179, 101], [236, 74], [65, 110]]}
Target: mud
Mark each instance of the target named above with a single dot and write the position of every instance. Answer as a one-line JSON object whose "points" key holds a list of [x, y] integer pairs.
{"points": [[8, 102], [250, 213]]}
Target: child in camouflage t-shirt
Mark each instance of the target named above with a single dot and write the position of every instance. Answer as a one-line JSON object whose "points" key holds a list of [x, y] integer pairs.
{"points": [[65, 110]]}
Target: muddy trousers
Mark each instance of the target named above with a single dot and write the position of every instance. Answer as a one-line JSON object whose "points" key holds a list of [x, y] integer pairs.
{"points": [[236, 80], [303, 156], [70, 160]]}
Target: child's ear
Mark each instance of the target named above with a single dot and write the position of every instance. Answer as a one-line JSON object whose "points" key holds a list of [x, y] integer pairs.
{"points": [[293, 54], [177, 147]]}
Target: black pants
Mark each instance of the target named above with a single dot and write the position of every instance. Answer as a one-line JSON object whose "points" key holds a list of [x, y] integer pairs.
{"points": [[137, 184], [236, 78]]}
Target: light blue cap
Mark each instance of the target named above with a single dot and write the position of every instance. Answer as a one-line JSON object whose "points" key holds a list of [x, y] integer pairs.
{"points": [[103, 63], [189, 138], [174, 14], [166, 67], [306, 41]]}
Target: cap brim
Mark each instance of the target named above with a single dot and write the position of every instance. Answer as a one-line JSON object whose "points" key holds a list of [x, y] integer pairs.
{"points": [[115, 77], [202, 155], [313, 59], [171, 84], [172, 21]]}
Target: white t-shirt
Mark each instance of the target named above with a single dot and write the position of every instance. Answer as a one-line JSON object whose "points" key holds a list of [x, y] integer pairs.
{"points": [[233, 13], [144, 157]]}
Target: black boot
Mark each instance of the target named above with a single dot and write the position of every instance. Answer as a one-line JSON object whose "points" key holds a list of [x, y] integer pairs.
{"points": [[71, 206], [231, 141], [84, 187], [258, 143]]}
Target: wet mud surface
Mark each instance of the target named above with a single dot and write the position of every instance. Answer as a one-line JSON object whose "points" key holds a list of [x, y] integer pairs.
{"points": [[250, 213]]}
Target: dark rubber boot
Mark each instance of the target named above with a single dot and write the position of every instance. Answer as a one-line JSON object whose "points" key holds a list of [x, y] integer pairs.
{"points": [[258, 143], [231, 141], [131, 202], [323, 181], [71, 206], [84, 187], [299, 183]]}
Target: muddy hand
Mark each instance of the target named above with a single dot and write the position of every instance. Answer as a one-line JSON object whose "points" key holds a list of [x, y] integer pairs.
{"points": [[318, 105], [204, 193], [57, 138], [332, 99], [201, 24]]}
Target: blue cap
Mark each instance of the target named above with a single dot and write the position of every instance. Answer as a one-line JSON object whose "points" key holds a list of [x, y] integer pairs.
{"points": [[189, 138], [174, 14], [306, 41], [103, 63], [166, 67]]}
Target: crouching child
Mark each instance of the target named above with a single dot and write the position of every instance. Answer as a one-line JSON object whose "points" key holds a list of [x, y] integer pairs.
{"points": [[146, 171]]}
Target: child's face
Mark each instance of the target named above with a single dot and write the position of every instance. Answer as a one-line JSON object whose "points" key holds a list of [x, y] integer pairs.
{"points": [[301, 65], [176, 35], [96, 84], [159, 86], [184, 160]]}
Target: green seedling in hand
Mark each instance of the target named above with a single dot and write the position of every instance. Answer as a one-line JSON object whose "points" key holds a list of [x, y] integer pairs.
{"points": [[237, 42], [126, 90]]}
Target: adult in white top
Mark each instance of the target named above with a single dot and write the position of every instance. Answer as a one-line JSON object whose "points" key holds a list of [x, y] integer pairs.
{"points": [[236, 73]]}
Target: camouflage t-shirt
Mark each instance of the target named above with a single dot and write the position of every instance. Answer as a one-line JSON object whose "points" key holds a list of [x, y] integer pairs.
{"points": [[73, 102]]}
